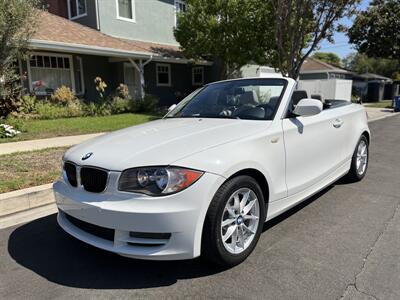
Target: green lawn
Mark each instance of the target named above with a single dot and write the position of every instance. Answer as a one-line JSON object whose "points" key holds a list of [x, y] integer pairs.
{"points": [[26, 169], [382, 104], [39, 129]]}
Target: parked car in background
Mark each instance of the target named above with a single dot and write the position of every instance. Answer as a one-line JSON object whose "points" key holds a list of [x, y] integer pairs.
{"points": [[205, 178]]}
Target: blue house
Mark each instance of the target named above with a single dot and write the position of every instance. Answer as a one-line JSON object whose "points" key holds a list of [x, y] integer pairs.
{"points": [[121, 41]]}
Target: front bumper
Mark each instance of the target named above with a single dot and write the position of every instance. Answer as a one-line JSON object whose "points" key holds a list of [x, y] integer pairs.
{"points": [[180, 216]]}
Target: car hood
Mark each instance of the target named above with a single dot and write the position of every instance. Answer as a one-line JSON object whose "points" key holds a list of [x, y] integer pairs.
{"points": [[161, 142]]}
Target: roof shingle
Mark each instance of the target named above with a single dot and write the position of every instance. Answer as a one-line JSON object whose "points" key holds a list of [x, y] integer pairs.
{"points": [[312, 64], [52, 28]]}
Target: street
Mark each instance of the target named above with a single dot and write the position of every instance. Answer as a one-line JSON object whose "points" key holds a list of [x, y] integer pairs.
{"points": [[343, 242]]}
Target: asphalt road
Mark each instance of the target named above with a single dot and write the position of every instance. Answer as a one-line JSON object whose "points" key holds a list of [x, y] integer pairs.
{"points": [[344, 242]]}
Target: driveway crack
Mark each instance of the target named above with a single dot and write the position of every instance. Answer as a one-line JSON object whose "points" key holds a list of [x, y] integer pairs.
{"points": [[371, 249]]}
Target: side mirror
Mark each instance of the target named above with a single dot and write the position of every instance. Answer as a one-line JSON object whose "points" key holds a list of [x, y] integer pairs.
{"points": [[308, 107], [172, 107]]}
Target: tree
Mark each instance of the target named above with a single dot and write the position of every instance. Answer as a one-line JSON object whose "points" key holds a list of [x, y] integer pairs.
{"points": [[328, 57], [375, 31], [361, 63], [300, 26], [234, 32], [17, 24]]}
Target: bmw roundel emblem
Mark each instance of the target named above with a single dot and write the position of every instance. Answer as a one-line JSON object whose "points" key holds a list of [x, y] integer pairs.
{"points": [[87, 156]]}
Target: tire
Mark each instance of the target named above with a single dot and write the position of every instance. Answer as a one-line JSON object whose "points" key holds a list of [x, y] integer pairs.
{"points": [[357, 173], [230, 253]]}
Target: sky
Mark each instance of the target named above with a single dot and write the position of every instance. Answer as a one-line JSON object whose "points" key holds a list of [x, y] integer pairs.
{"points": [[341, 46]]}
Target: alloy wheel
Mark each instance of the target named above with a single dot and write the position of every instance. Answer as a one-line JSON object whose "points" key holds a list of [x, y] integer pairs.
{"points": [[362, 157], [240, 220]]}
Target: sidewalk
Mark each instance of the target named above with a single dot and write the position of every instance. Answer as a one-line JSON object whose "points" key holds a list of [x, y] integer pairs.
{"points": [[378, 113], [63, 141]]}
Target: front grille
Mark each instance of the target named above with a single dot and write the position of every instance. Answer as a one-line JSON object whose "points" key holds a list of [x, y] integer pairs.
{"points": [[70, 171], [101, 232], [93, 180]]}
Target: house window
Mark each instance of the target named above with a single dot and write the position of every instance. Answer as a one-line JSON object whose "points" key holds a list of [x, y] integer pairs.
{"points": [[163, 75], [76, 9], [49, 72], [198, 76], [126, 10], [180, 7]]}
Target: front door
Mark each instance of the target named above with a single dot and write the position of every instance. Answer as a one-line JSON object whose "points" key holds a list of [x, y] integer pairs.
{"points": [[131, 79], [314, 149]]}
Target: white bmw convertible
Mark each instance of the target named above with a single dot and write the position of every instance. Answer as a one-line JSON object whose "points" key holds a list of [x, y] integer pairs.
{"points": [[203, 180]]}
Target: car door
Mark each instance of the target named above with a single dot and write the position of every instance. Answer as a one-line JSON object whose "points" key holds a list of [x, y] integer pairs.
{"points": [[314, 148]]}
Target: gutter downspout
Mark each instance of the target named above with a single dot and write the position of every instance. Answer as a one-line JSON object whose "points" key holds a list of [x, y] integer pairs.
{"points": [[140, 69], [96, 4]]}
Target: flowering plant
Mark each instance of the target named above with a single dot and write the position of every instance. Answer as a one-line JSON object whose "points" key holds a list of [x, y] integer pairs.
{"points": [[100, 86], [7, 131]]}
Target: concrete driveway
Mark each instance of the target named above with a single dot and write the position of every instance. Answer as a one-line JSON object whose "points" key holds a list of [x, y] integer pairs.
{"points": [[344, 242]]}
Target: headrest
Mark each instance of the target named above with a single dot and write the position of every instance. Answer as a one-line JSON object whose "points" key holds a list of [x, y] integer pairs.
{"points": [[316, 97], [249, 98], [298, 95], [273, 101]]}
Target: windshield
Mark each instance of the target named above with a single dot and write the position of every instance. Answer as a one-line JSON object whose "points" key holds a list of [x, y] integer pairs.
{"points": [[251, 99]]}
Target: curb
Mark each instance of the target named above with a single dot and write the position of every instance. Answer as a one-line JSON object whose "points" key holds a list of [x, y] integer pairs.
{"points": [[27, 215], [384, 117], [15, 205]]}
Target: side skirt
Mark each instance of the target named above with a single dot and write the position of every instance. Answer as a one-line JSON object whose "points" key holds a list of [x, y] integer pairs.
{"points": [[278, 207]]}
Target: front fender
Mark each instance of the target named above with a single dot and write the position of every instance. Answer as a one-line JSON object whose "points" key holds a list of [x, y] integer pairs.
{"points": [[255, 152]]}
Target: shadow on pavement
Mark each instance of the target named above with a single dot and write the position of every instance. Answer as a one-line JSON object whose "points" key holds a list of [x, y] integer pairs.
{"points": [[44, 248]]}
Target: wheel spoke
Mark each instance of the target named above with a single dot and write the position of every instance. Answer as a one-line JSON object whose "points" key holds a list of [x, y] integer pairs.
{"points": [[236, 203], [363, 149], [248, 229], [227, 222], [231, 212], [244, 200], [248, 207], [241, 237], [250, 217], [231, 230], [234, 238]]}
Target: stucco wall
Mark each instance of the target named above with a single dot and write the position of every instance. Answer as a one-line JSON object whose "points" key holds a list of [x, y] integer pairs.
{"points": [[154, 21], [90, 19]]}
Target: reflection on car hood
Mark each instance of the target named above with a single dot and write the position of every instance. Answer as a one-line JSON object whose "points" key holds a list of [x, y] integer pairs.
{"points": [[161, 142]]}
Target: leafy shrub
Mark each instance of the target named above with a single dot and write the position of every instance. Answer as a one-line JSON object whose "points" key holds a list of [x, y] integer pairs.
{"points": [[63, 96], [149, 104], [17, 123], [47, 110], [10, 90], [120, 105], [74, 109], [135, 106], [96, 109], [27, 104]]}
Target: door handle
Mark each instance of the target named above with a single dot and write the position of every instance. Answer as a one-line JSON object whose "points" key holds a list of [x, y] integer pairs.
{"points": [[337, 123]]}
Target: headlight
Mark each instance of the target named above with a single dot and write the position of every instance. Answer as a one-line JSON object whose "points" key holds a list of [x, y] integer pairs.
{"points": [[157, 181]]}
